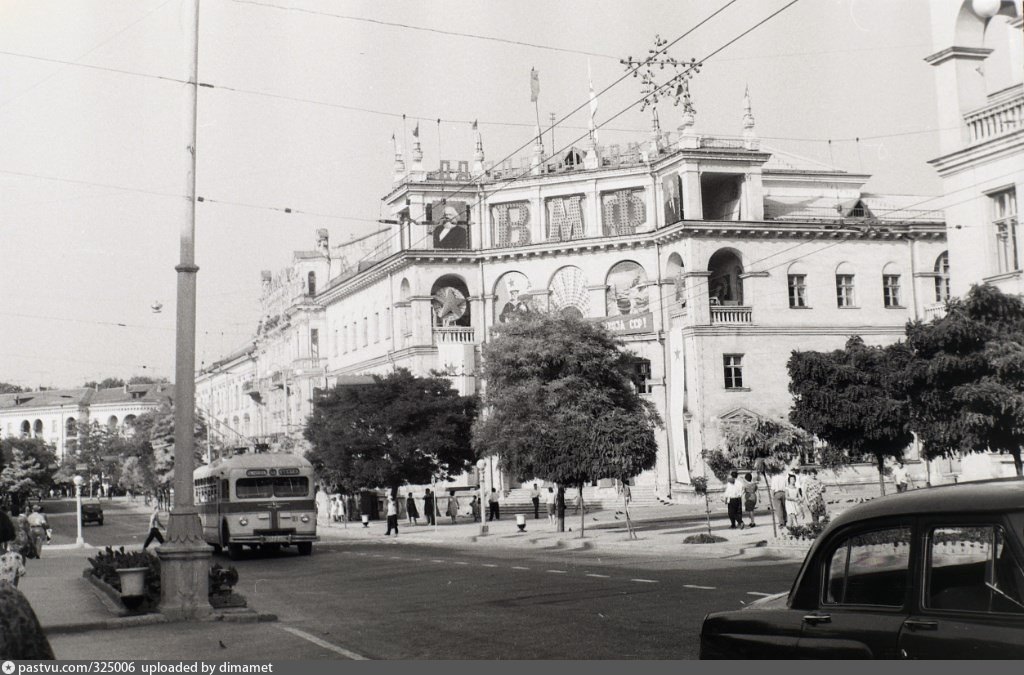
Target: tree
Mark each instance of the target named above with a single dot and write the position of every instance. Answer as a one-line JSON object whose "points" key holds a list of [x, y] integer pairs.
{"points": [[560, 405], [106, 383], [100, 449], [766, 446], [152, 443], [28, 464], [8, 388], [147, 379], [401, 429], [854, 399], [966, 380]]}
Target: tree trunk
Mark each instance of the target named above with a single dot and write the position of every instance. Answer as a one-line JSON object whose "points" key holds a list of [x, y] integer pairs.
{"points": [[881, 473], [583, 512], [707, 510], [1015, 453], [561, 509], [771, 505], [625, 510]]}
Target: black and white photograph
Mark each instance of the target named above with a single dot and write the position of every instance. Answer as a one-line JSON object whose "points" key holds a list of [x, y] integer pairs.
{"points": [[465, 332]]}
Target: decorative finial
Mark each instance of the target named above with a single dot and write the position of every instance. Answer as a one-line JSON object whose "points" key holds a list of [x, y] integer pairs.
{"points": [[399, 167], [749, 135], [478, 153]]}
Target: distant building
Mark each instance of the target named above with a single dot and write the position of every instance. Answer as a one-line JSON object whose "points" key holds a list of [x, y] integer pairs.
{"points": [[53, 415]]}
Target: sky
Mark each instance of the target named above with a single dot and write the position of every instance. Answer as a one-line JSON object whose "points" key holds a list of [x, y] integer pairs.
{"points": [[94, 122]]}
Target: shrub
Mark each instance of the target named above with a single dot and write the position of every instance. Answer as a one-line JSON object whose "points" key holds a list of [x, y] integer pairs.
{"points": [[700, 485], [809, 531], [719, 463]]}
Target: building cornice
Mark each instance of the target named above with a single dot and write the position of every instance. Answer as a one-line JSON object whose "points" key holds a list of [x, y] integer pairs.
{"points": [[968, 53], [1000, 147], [789, 330], [389, 358]]}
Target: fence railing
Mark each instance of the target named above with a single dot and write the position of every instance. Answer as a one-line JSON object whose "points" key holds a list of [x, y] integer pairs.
{"points": [[1000, 117], [731, 315], [454, 335]]}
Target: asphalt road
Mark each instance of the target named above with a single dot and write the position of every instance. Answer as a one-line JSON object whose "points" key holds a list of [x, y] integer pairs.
{"points": [[405, 601]]}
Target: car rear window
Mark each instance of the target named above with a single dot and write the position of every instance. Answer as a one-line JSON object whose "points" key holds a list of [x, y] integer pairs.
{"points": [[870, 568]]}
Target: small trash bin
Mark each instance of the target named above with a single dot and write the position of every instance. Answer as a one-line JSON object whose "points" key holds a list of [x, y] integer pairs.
{"points": [[521, 522]]}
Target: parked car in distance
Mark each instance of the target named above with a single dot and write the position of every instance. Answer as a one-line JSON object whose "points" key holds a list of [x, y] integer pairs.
{"points": [[92, 512], [927, 574]]}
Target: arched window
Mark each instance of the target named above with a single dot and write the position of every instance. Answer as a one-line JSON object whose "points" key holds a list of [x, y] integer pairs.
{"points": [[627, 289], [796, 281], [129, 420], [845, 286], [725, 287], [311, 283], [71, 428], [112, 422], [26, 429], [450, 302], [674, 272], [942, 277], [37, 428]]}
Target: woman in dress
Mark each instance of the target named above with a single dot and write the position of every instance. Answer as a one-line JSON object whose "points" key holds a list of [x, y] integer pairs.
{"points": [[453, 505], [411, 512], [12, 565], [794, 513], [37, 526], [23, 538], [814, 493], [749, 496]]}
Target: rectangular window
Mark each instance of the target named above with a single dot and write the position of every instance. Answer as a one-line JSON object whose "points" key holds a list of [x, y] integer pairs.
{"points": [[1004, 220], [971, 569], [642, 376], [870, 569], [337, 346], [387, 323], [314, 343], [733, 371], [366, 331], [797, 290], [844, 290], [891, 290], [376, 327]]}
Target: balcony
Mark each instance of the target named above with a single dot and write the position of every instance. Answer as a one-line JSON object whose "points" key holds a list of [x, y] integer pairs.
{"points": [[936, 310], [454, 335], [1003, 115], [731, 315]]}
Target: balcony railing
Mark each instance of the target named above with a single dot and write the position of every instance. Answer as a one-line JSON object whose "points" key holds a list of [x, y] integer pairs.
{"points": [[1004, 115], [936, 310], [454, 335], [731, 315]]}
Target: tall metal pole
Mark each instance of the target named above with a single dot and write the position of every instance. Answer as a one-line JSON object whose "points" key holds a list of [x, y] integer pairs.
{"points": [[185, 556]]}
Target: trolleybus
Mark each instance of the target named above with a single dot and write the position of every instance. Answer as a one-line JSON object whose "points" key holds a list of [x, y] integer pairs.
{"points": [[257, 500]]}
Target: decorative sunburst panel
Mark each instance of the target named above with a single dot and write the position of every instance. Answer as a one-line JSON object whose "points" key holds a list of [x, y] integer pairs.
{"points": [[569, 289]]}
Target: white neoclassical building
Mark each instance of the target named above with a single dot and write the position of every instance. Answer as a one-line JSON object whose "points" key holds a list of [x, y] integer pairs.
{"points": [[713, 258], [53, 415]]}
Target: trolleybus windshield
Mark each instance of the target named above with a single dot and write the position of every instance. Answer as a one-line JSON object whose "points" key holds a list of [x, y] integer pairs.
{"points": [[265, 487]]}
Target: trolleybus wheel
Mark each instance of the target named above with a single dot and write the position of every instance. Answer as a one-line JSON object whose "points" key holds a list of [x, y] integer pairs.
{"points": [[234, 551], [305, 548]]}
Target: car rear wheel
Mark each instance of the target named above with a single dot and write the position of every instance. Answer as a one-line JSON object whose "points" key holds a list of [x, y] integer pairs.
{"points": [[234, 551], [305, 547]]}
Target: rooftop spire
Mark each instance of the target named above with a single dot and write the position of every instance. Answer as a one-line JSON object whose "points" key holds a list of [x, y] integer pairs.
{"points": [[478, 152], [749, 134]]}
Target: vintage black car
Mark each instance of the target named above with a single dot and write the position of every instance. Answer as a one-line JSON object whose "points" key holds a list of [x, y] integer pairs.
{"points": [[927, 574], [92, 512]]}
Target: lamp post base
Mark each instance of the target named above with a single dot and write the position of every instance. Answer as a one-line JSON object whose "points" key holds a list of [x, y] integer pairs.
{"points": [[184, 569]]}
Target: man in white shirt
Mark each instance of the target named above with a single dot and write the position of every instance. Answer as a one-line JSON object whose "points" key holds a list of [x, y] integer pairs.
{"points": [[900, 477], [552, 502], [734, 502], [535, 498], [495, 513], [778, 494]]}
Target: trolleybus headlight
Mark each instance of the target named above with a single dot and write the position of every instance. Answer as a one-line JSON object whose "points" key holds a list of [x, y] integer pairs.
{"points": [[304, 518], [243, 522]]}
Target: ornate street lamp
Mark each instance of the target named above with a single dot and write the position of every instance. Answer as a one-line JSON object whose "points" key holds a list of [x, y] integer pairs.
{"points": [[78, 480], [481, 464]]}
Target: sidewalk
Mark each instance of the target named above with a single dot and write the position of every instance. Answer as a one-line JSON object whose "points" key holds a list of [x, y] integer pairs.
{"points": [[660, 532]]}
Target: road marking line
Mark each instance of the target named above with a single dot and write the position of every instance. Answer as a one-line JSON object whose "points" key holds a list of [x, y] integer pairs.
{"points": [[763, 595], [323, 643], [599, 576], [703, 588], [645, 581], [487, 565], [395, 557], [557, 571], [437, 561], [517, 567], [461, 562]]}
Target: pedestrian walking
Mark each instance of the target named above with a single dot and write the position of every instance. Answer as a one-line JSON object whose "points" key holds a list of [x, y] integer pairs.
{"points": [[453, 506], [535, 498], [495, 513], [777, 485], [154, 528], [474, 507], [551, 500], [814, 496], [577, 503], [23, 538], [749, 497], [734, 502], [38, 526], [901, 477], [12, 563], [794, 514], [428, 507], [412, 514], [392, 513]]}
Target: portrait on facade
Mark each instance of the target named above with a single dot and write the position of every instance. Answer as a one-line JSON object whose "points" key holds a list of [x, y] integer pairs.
{"points": [[627, 289], [512, 296], [672, 190], [451, 227]]}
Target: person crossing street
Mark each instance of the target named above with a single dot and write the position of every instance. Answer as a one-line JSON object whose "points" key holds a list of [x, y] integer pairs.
{"points": [[154, 528]]}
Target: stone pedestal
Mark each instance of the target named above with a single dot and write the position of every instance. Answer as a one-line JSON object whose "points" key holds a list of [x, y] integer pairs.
{"points": [[184, 569]]}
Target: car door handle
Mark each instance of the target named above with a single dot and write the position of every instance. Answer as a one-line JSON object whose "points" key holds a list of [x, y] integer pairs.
{"points": [[815, 619], [918, 624]]}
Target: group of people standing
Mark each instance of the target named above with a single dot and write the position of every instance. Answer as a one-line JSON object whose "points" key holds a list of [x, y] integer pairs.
{"points": [[21, 635], [453, 507], [798, 496]]}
